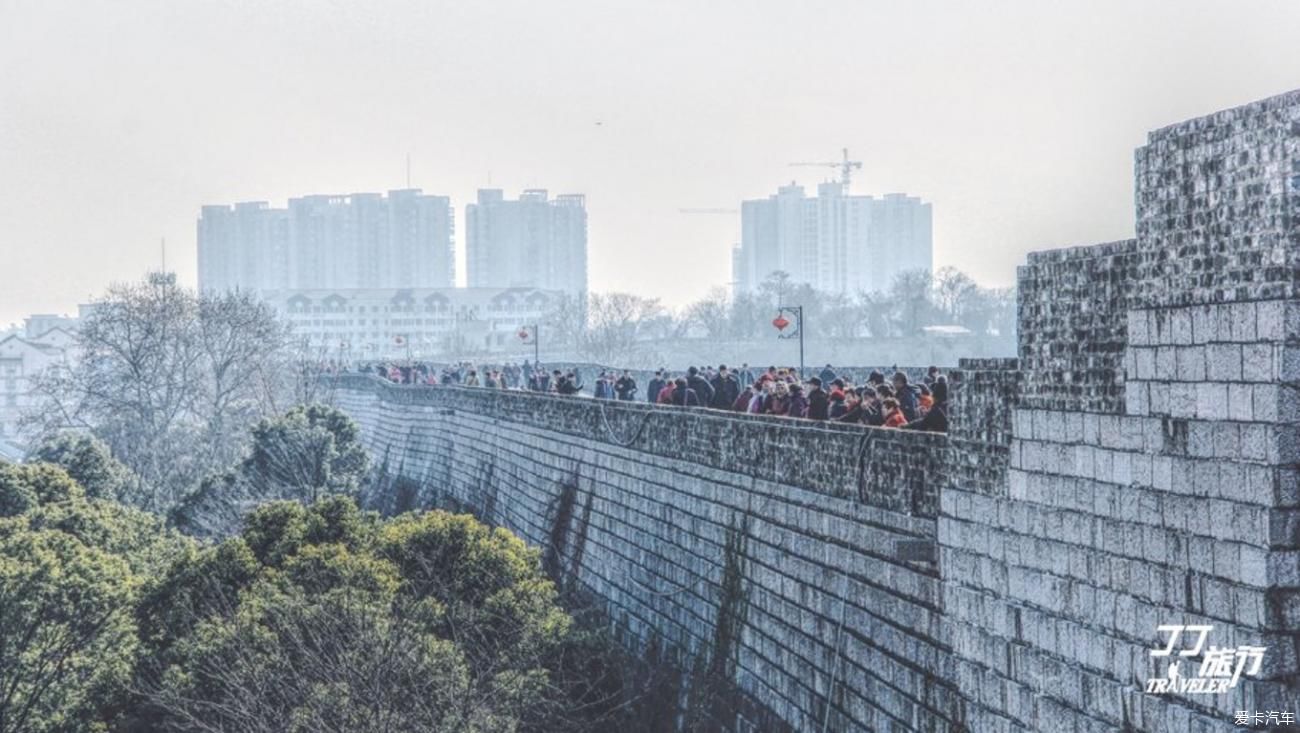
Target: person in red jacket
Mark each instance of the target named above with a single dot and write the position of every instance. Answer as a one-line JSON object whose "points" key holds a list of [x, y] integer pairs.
{"points": [[666, 394], [893, 414], [741, 403]]}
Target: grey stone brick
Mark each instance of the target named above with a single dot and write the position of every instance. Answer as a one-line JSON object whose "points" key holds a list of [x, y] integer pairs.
{"points": [[1291, 321], [1227, 441], [1182, 400], [1205, 323], [1222, 362], [1166, 363], [1162, 473], [1191, 364], [1139, 328], [1270, 320], [1144, 360], [1254, 442], [1158, 398], [1201, 439], [1288, 403], [1211, 400], [1180, 327], [1287, 360], [1090, 428], [1284, 443], [1253, 566], [1249, 322], [1205, 478], [1266, 403], [1258, 364], [1240, 402]]}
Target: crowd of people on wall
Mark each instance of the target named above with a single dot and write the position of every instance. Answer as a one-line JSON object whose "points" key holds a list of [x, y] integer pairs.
{"points": [[893, 402]]}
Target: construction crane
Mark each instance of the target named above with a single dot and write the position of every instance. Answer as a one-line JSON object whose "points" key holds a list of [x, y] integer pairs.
{"points": [[708, 211], [846, 166]]}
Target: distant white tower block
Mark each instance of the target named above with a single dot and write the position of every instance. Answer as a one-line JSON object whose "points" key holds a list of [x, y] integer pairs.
{"points": [[531, 242]]}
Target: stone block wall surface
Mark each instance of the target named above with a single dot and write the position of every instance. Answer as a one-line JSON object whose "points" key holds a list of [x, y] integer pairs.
{"points": [[890, 469], [1072, 325], [1153, 452], [1134, 467], [985, 395], [841, 630], [1216, 201]]}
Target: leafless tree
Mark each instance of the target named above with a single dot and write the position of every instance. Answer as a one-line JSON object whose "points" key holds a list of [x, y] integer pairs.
{"points": [[909, 295], [956, 295], [749, 316], [614, 328], [170, 380], [564, 325], [711, 315]]}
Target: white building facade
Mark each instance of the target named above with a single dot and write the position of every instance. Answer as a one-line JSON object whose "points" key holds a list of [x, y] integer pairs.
{"points": [[23, 358], [531, 242], [364, 240], [363, 324], [835, 242]]}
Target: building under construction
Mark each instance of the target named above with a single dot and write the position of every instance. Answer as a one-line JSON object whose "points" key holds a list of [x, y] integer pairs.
{"points": [[836, 242]]}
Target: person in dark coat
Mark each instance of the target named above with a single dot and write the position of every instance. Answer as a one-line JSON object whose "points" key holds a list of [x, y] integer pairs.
{"points": [[931, 376], [873, 411], [907, 402], [836, 407], [568, 384], [798, 402], [703, 390], [827, 376], [725, 389], [818, 402], [655, 386], [683, 395], [936, 420], [625, 387], [847, 407]]}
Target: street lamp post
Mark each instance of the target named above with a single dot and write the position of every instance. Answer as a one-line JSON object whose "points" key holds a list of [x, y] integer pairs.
{"points": [[781, 323]]}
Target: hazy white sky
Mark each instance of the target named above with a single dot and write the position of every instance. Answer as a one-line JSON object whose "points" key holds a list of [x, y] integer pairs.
{"points": [[1017, 119]]}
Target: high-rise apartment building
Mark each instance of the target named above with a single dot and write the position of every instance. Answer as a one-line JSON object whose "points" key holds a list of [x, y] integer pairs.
{"points": [[532, 242], [835, 242], [243, 246], [365, 240]]}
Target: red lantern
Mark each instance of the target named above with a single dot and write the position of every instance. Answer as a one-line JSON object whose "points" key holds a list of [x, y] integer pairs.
{"points": [[780, 322]]}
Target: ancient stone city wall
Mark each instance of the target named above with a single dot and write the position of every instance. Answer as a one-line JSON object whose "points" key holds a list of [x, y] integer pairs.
{"points": [[639, 502], [1134, 467]]}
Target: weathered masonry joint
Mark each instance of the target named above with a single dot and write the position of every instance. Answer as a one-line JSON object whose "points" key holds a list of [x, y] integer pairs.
{"points": [[1135, 467]]}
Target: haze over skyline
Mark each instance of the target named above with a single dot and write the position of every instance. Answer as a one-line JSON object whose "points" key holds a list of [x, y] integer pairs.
{"points": [[1017, 122]]}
